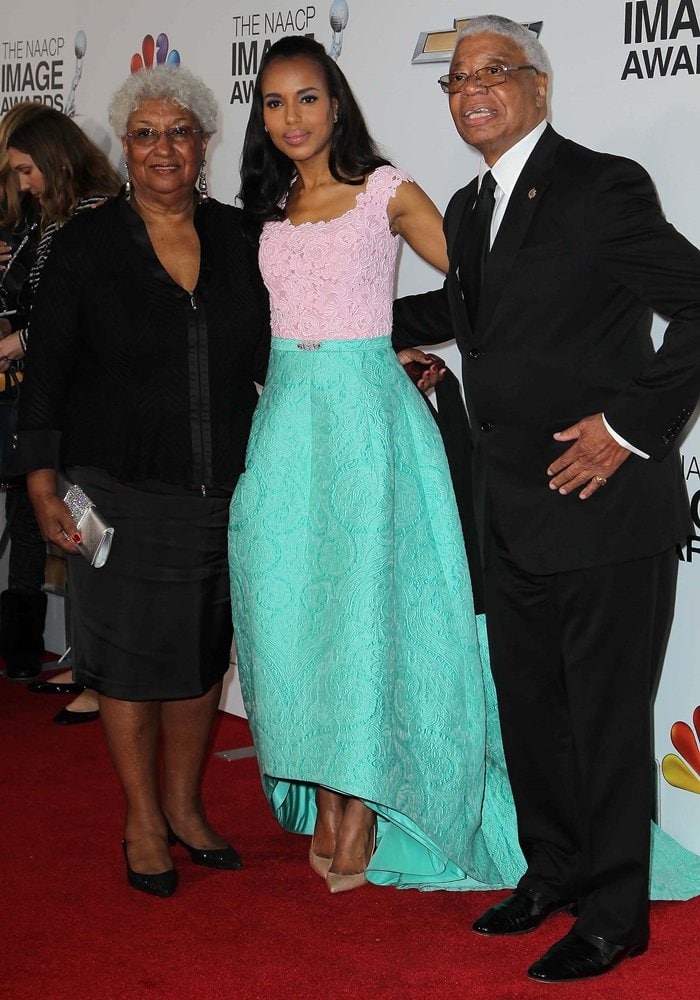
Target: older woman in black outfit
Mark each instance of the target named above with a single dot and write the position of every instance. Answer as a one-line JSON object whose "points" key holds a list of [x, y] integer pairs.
{"points": [[147, 334]]}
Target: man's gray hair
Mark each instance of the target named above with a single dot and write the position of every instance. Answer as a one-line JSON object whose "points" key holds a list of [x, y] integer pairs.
{"points": [[493, 24], [163, 83]]}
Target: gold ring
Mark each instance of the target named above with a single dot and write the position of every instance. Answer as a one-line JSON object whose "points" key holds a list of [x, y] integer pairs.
{"points": [[599, 480]]}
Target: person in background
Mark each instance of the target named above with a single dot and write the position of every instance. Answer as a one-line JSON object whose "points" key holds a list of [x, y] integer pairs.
{"points": [[23, 604], [148, 331], [558, 255], [50, 170]]}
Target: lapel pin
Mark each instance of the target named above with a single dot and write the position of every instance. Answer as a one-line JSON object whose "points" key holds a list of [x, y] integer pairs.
{"points": [[532, 193]]}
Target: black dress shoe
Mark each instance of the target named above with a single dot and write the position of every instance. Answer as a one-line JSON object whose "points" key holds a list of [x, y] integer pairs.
{"points": [[163, 884], [48, 687], [581, 956], [224, 858], [22, 673], [67, 718], [519, 913]]}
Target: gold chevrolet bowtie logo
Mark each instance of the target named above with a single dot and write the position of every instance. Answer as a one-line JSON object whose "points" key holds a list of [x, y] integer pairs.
{"points": [[438, 46]]}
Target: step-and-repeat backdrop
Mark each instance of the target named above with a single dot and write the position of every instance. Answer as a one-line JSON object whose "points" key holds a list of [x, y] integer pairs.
{"points": [[626, 80]]}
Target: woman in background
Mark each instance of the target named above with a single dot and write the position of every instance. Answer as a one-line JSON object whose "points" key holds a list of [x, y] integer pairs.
{"points": [[50, 171], [23, 604]]}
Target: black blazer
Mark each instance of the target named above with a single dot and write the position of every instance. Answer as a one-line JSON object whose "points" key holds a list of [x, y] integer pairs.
{"points": [[581, 260]]}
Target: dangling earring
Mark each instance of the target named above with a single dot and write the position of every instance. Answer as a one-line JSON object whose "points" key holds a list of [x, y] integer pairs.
{"points": [[127, 183], [202, 183]]}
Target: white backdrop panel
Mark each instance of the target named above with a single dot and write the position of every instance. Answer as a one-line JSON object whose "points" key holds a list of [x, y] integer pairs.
{"points": [[650, 116]]}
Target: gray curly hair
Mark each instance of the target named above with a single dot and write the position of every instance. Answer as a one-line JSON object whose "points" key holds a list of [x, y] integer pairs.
{"points": [[166, 83], [493, 24]]}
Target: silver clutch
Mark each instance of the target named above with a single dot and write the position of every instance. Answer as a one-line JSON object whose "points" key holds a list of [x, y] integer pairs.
{"points": [[95, 533]]}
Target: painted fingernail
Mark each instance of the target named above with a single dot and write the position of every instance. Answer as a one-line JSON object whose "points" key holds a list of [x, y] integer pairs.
{"points": [[75, 538]]}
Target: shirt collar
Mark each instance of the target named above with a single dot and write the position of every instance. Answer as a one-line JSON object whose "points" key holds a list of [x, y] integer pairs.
{"points": [[508, 167]]}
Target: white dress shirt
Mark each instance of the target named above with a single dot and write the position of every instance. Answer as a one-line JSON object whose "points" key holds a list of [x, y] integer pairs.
{"points": [[506, 171]]}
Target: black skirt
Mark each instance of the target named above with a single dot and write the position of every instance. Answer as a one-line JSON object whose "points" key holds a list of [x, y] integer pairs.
{"points": [[154, 622]]}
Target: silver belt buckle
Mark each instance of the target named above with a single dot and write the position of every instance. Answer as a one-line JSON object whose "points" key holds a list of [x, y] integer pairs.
{"points": [[309, 345]]}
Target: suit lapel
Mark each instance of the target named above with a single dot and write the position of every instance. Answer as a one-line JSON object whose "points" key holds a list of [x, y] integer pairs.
{"points": [[455, 248], [524, 202]]}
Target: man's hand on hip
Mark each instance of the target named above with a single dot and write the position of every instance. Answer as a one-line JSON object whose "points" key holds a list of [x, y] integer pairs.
{"points": [[590, 461]]}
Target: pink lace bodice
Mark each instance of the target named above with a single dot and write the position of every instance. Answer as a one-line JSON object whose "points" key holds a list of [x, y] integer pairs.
{"points": [[334, 280]]}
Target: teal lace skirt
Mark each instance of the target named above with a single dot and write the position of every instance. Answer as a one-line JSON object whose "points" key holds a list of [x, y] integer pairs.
{"points": [[362, 665], [359, 653]]}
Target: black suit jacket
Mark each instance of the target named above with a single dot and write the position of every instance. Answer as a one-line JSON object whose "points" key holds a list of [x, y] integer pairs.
{"points": [[581, 260]]}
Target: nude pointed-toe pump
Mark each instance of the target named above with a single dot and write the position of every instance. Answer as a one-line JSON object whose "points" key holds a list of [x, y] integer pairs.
{"points": [[319, 864], [344, 883]]}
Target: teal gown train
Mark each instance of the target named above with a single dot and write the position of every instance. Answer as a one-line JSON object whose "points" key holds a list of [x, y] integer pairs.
{"points": [[363, 667]]}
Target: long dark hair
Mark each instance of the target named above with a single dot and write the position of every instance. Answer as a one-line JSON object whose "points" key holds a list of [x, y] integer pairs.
{"points": [[266, 173], [72, 165], [14, 205]]}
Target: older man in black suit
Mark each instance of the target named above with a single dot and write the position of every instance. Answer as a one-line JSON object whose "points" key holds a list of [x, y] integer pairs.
{"points": [[558, 255]]}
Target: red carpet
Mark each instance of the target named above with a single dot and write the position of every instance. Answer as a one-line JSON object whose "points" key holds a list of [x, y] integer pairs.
{"points": [[73, 929]]}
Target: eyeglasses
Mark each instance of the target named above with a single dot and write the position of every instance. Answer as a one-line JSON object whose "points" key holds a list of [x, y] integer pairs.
{"points": [[487, 76], [179, 134]]}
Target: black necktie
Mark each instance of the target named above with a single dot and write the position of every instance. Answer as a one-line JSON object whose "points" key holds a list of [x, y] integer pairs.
{"points": [[477, 245]]}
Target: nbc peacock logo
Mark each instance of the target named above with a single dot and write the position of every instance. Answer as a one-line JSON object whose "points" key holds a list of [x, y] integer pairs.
{"points": [[157, 49], [682, 770]]}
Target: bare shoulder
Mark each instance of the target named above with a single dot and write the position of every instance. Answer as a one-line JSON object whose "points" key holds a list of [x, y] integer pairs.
{"points": [[409, 199]]}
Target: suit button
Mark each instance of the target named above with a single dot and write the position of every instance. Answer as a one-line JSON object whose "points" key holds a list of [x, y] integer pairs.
{"points": [[474, 353], [487, 426]]}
